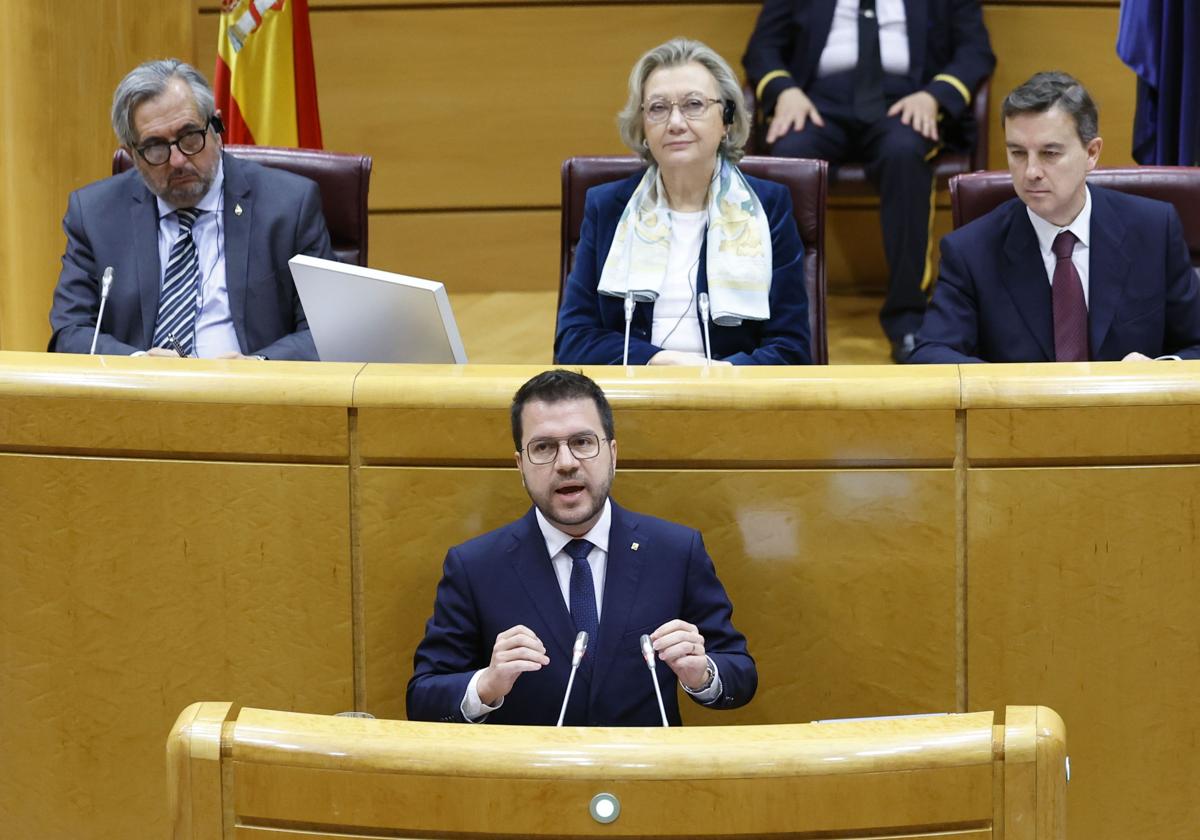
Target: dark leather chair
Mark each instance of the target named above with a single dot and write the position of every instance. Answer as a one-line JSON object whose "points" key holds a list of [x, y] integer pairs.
{"points": [[977, 193], [850, 179], [805, 179], [343, 179]]}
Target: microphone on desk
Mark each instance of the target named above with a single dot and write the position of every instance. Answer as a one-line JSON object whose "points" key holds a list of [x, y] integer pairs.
{"points": [[577, 653], [651, 661], [704, 320], [628, 323], [105, 285]]}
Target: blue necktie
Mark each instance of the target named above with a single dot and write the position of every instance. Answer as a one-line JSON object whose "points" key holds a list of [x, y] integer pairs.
{"points": [[583, 596], [181, 285]]}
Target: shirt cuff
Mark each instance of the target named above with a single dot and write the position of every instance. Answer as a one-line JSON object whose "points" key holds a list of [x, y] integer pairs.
{"points": [[1170, 357], [137, 353], [474, 709], [707, 695]]}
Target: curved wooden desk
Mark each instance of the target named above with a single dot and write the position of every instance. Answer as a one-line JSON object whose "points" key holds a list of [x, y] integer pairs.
{"points": [[254, 773], [894, 541]]}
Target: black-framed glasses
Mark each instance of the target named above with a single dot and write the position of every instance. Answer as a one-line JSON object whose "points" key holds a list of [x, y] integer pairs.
{"points": [[158, 152], [693, 106], [583, 446]]}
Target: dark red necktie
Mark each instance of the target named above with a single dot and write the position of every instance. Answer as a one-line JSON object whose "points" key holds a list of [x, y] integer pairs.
{"points": [[1070, 309]]}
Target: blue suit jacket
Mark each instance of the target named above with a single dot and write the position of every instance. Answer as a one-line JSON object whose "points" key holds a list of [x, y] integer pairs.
{"points": [[591, 326], [992, 302], [505, 578], [946, 38], [115, 222]]}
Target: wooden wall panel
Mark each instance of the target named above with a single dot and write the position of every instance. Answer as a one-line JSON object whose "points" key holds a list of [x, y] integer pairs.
{"points": [[1082, 591], [59, 63], [822, 568], [131, 588]]}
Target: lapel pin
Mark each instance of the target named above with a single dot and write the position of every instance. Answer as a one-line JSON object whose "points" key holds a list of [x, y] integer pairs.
{"points": [[634, 546], [237, 209]]}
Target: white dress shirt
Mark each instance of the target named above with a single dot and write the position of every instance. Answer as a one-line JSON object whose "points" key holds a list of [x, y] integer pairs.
{"points": [[1081, 226], [676, 325], [215, 333], [474, 709], [841, 47]]}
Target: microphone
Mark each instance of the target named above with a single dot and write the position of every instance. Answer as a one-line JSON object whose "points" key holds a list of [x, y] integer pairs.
{"points": [[105, 285], [628, 322], [704, 320], [651, 660], [577, 652]]}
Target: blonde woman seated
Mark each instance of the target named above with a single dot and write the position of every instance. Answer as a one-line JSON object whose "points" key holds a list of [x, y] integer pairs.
{"points": [[689, 240]]}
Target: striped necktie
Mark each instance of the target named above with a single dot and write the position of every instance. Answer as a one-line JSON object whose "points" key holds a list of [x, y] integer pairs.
{"points": [[180, 288]]}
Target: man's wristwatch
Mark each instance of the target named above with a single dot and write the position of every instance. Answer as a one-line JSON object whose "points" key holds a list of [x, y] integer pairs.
{"points": [[710, 674]]}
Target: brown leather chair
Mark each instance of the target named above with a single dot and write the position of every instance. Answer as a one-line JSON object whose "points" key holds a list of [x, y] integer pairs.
{"points": [[850, 179], [343, 179], [805, 179], [977, 193]]}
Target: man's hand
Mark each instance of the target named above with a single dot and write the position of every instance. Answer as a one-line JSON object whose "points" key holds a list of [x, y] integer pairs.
{"points": [[517, 650], [681, 646], [678, 357], [232, 354], [919, 110], [792, 111], [1136, 357], [162, 352]]}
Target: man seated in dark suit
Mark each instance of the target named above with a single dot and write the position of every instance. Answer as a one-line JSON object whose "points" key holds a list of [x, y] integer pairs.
{"points": [[511, 602], [1063, 272], [198, 241], [885, 82]]}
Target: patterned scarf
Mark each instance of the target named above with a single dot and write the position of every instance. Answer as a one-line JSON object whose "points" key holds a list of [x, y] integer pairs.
{"points": [[738, 261]]}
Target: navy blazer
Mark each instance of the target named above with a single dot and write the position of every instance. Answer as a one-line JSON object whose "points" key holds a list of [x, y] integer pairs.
{"points": [[657, 571], [992, 302], [115, 222], [591, 326], [948, 47]]}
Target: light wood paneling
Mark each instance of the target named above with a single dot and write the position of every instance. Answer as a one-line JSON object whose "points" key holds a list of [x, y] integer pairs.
{"points": [[1029, 38], [130, 588], [60, 62], [1082, 592], [472, 252], [846, 554]]}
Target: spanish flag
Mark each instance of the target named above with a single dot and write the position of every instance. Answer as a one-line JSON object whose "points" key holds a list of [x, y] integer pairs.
{"points": [[265, 83]]}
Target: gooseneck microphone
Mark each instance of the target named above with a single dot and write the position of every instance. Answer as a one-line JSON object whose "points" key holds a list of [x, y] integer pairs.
{"points": [[648, 655], [577, 653], [704, 320], [105, 285], [628, 322]]}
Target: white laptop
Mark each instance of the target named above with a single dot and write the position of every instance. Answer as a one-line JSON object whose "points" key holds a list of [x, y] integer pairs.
{"points": [[365, 315]]}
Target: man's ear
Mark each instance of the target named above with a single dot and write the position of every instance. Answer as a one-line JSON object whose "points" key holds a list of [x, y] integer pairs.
{"points": [[1093, 152]]}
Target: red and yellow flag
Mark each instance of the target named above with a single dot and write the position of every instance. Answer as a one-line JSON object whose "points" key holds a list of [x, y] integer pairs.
{"points": [[265, 83]]}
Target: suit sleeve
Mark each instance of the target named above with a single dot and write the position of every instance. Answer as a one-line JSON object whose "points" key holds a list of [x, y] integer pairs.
{"points": [[971, 59], [785, 337], [451, 652], [766, 57], [311, 239], [950, 332], [583, 338], [77, 295], [707, 606], [1183, 295]]}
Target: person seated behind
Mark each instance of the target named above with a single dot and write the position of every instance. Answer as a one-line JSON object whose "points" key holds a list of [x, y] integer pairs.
{"points": [[511, 602], [1065, 271], [691, 227], [198, 241], [885, 82]]}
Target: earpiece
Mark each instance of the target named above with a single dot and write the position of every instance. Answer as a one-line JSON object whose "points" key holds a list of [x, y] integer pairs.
{"points": [[727, 114], [217, 125]]}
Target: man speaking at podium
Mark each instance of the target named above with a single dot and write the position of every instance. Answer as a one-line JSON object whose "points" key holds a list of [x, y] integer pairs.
{"points": [[513, 603]]}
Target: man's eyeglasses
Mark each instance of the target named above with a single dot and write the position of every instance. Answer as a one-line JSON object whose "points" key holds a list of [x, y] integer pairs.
{"points": [[158, 152], [583, 446], [692, 107]]}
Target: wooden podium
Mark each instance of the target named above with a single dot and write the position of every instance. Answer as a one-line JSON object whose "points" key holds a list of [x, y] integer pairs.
{"points": [[266, 774]]}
